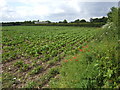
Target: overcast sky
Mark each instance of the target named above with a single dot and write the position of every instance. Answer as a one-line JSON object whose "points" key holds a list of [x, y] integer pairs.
{"points": [[54, 10]]}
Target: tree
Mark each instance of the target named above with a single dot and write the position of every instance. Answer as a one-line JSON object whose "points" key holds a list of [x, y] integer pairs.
{"points": [[113, 15], [103, 19], [60, 22], [65, 21], [48, 21], [91, 20], [83, 20], [77, 21]]}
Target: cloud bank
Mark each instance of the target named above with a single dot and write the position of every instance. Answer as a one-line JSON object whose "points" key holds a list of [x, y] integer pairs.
{"points": [[54, 10]]}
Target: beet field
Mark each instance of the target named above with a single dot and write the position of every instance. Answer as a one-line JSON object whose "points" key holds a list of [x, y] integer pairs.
{"points": [[59, 57]]}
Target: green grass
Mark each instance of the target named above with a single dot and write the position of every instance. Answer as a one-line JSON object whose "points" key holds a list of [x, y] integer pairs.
{"points": [[75, 72], [96, 65]]}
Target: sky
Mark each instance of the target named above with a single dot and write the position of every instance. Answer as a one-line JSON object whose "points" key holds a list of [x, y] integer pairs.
{"points": [[54, 10]]}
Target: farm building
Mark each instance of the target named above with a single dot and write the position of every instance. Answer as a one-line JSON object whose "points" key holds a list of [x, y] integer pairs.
{"points": [[42, 22]]}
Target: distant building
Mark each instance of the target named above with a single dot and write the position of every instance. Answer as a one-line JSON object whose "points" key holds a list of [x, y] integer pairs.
{"points": [[42, 22]]}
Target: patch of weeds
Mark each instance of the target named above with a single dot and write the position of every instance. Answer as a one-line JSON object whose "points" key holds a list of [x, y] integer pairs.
{"points": [[31, 84], [51, 62], [19, 63], [8, 80], [49, 75], [36, 70], [34, 63], [56, 58], [46, 77], [62, 55], [46, 58], [24, 67], [54, 71]]}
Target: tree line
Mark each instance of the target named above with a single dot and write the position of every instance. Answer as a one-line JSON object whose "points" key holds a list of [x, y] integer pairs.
{"points": [[94, 22]]}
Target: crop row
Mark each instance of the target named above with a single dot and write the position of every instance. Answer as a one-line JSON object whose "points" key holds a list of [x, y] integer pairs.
{"points": [[30, 52]]}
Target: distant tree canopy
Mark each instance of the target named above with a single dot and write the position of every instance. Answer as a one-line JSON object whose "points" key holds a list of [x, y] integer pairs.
{"points": [[83, 20], [79, 21], [48, 21], [103, 19], [64, 21], [96, 22], [114, 15], [28, 22]]}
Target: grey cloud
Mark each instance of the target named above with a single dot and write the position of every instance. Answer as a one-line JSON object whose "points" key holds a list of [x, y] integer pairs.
{"points": [[88, 10], [97, 9]]}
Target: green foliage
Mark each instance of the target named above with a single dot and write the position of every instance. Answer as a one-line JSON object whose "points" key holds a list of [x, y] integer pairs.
{"points": [[97, 68], [8, 80], [103, 19], [81, 23], [113, 16], [65, 21], [36, 70], [45, 44], [77, 21], [31, 85], [83, 20], [51, 62], [21, 65], [54, 71], [25, 67]]}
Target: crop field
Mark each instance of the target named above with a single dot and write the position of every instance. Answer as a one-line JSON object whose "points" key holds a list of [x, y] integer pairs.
{"points": [[56, 56]]}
